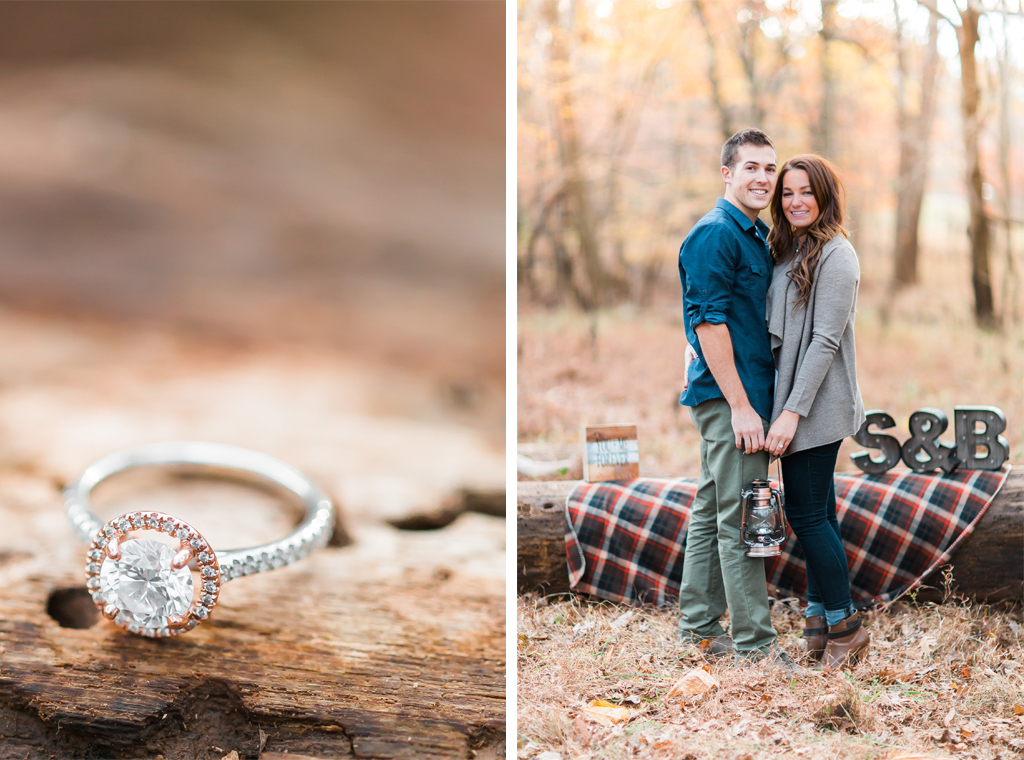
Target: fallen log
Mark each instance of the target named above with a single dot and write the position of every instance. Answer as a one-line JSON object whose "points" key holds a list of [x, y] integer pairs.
{"points": [[988, 566]]}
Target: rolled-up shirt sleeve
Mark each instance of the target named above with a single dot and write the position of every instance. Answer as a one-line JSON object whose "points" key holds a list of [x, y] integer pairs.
{"points": [[836, 284], [707, 265]]}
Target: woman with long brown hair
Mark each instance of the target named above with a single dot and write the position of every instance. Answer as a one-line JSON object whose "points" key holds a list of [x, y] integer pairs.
{"points": [[812, 302]]}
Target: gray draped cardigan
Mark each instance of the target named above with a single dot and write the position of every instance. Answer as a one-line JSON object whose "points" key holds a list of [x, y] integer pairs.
{"points": [[814, 349]]}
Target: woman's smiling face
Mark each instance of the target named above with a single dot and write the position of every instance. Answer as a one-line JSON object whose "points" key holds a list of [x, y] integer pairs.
{"points": [[798, 201]]}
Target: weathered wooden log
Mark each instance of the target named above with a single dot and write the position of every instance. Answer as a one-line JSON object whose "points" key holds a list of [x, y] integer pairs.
{"points": [[988, 566], [391, 644], [386, 647]]}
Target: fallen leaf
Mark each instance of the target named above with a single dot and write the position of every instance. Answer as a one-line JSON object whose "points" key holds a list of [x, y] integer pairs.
{"points": [[608, 653], [949, 717], [928, 643], [582, 728], [740, 727], [606, 713], [232, 755], [646, 663], [833, 710], [965, 672], [623, 620], [1018, 710], [696, 681], [584, 627]]}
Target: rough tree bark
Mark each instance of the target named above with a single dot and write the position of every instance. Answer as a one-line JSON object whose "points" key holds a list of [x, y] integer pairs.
{"points": [[823, 135], [725, 124], [1011, 280], [914, 131], [986, 567], [747, 50], [967, 36], [567, 132]]}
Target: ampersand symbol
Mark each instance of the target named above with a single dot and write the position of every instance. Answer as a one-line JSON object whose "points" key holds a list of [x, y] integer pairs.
{"points": [[926, 425]]}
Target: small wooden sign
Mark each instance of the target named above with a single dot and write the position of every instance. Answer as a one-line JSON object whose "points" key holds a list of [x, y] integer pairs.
{"points": [[610, 453]]}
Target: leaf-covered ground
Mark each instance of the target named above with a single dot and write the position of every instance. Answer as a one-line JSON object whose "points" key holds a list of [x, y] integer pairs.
{"points": [[942, 680]]}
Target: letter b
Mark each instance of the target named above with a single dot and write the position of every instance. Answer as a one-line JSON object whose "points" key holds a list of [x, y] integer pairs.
{"points": [[997, 449]]}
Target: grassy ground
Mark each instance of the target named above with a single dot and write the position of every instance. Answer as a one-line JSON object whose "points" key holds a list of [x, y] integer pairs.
{"points": [[941, 681]]}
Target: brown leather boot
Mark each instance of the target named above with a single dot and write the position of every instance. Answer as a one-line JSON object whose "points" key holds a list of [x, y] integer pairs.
{"points": [[812, 642], [848, 642]]}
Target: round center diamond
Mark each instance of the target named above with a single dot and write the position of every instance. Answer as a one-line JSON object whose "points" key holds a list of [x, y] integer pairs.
{"points": [[142, 585]]}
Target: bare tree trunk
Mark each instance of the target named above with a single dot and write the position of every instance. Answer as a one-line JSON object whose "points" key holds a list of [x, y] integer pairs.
{"points": [[748, 55], [625, 127], [1010, 301], [914, 134], [724, 118], [569, 151], [525, 263], [984, 312], [823, 137], [542, 227]]}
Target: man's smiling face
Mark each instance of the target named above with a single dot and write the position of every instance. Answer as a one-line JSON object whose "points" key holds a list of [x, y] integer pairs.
{"points": [[749, 183]]}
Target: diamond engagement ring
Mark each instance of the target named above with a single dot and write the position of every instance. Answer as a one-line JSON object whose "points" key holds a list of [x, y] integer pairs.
{"points": [[146, 586]]}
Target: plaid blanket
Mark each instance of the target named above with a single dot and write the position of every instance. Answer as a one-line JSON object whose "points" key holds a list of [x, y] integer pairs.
{"points": [[625, 540]]}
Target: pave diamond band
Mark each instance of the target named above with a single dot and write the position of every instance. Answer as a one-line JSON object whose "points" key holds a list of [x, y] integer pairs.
{"points": [[146, 586]]}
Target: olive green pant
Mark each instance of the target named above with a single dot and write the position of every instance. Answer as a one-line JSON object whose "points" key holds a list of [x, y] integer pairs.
{"points": [[716, 574]]}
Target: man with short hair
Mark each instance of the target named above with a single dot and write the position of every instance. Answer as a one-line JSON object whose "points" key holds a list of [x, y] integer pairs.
{"points": [[725, 268]]}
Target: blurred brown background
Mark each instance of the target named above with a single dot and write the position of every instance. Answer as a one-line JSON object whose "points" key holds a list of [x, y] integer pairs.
{"points": [[329, 173]]}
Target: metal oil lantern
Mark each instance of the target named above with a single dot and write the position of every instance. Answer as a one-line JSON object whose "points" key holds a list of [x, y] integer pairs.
{"points": [[763, 523]]}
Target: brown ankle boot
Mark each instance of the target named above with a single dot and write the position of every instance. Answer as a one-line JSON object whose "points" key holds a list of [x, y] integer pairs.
{"points": [[812, 642], [848, 642]]}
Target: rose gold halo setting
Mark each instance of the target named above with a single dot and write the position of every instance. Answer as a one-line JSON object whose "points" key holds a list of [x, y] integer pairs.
{"points": [[107, 545]]}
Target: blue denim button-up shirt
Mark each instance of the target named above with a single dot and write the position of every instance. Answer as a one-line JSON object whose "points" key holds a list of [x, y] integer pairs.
{"points": [[725, 268]]}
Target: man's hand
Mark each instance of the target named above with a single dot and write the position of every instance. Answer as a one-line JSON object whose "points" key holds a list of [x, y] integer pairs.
{"points": [[688, 356], [748, 428], [716, 345], [781, 433]]}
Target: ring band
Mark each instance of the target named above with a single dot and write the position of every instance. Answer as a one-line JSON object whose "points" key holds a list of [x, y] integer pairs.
{"points": [[146, 587]]}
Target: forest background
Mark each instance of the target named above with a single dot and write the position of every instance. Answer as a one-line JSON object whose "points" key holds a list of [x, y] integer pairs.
{"points": [[623, 106], [622, 110]]}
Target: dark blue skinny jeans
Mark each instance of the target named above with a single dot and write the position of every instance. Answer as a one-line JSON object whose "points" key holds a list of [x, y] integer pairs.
{"points": [[808, 478]]}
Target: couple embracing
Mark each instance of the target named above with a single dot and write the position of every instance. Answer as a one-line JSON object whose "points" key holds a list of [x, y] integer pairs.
{"points": [[770, 317]]}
